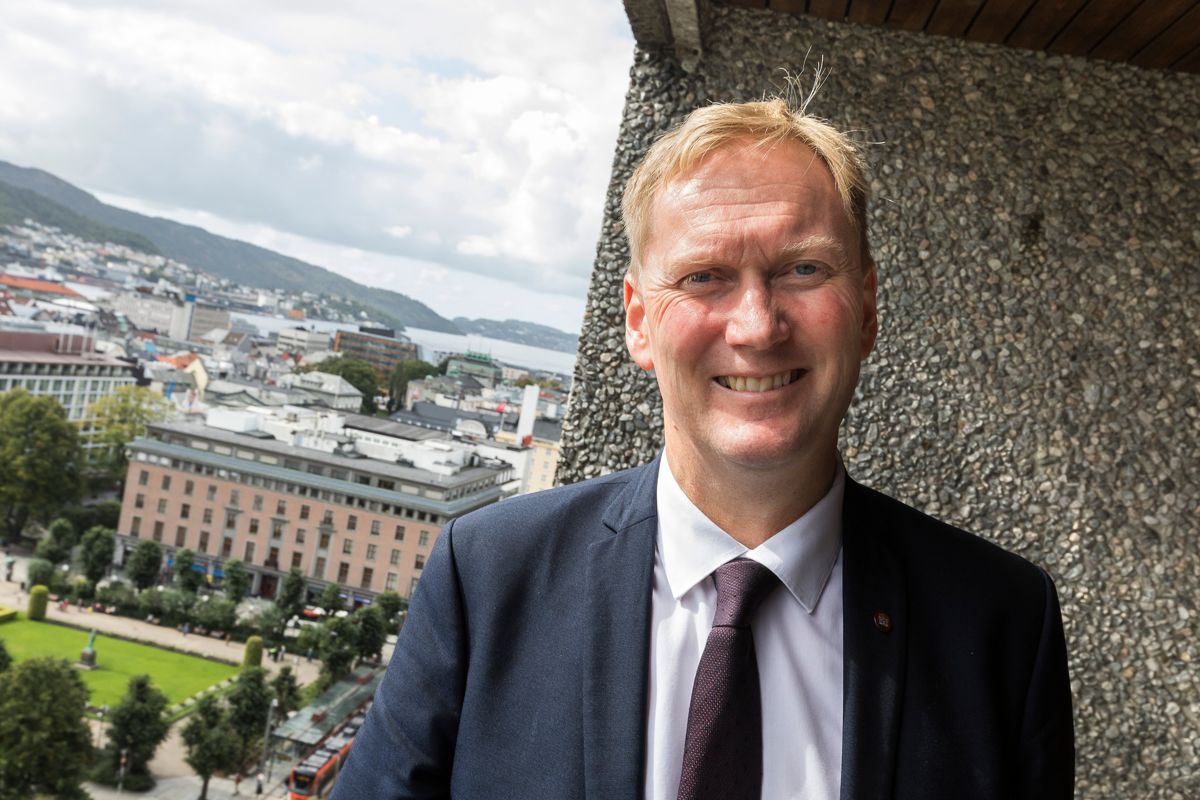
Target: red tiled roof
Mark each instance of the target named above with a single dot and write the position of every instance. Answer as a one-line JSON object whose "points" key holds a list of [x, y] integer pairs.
{"points": [[36, 285]]}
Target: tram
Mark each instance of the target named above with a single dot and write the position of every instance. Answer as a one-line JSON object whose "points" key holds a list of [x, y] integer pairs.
{"points": [[313, 778]]}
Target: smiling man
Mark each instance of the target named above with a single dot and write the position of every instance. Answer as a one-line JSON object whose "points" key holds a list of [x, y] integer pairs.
{"points": [[739, 618]]}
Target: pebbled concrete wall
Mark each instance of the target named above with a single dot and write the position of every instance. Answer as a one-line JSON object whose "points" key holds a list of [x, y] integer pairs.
{"points": [[1035, 221]]}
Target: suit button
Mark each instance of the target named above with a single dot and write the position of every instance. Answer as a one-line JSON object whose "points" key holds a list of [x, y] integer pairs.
{"points": [[883, 621]]}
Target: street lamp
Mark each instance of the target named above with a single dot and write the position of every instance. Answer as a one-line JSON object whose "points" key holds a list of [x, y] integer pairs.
{"points": [[266, 756]]}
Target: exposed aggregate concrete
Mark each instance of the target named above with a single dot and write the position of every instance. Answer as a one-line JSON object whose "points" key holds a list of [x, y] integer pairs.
{"points": [[1036, 379]]}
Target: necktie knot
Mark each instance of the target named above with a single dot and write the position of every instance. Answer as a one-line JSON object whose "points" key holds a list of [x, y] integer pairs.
{"points": [[742, 584]]}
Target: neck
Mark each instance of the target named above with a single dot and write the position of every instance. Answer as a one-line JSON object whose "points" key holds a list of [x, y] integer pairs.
{"points": [[753, 503]]}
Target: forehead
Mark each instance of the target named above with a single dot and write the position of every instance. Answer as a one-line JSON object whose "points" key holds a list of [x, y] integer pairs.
{"points": [[744, 194]]}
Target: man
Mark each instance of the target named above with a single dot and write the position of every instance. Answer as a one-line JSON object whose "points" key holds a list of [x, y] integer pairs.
{"points": [[738, 618]]}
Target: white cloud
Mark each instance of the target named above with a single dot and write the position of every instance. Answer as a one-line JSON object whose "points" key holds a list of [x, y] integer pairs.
{"points": [[484, 132]]}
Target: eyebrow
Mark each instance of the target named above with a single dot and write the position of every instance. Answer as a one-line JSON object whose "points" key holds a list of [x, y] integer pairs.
{"points": [[816, 242]]}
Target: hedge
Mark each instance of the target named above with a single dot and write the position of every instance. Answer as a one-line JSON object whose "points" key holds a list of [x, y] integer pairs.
{"points": [[253, 654], [39, 597]]}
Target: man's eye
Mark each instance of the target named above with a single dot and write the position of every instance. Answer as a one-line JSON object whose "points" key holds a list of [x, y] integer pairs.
{"points": [[805, 269], [699, 277]]}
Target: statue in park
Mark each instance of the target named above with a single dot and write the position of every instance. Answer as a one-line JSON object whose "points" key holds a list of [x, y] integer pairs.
{"points": [[87, 659]]}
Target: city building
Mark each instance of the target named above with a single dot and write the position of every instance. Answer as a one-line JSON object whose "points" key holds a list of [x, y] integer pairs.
{"points": [[332, 391], [60, 361], [477, 365], [381, 352], [302, 341], [283, 488], [182, 319]]}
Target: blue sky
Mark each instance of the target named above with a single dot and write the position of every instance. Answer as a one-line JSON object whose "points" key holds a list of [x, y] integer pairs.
{"points": [[457, 152]]}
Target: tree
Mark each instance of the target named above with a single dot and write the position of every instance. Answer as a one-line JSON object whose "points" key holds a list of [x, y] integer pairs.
{"points": [[391, 604], [358, 373], [44, 741], [292, 594], [249, 704], [331, 598], [372, 632], [210, 742], [215, 613], [137, 724], [237, 580], [121, 417], [252, 655], [39, 597], [40, 572], [40, 460], [144, 564], [271, 623], [186, 578], [96, 552], [6, 659], [56, 545], [404, 372], [338, 648], [285, 689]]}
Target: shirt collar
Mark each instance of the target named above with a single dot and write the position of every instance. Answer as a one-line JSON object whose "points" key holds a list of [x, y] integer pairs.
{"points": [[802, 555]]}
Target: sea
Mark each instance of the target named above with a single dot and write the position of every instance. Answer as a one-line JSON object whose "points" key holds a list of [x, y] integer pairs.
{"points": [[434, 345]]}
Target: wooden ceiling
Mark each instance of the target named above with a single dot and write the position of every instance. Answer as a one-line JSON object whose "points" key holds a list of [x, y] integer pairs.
{"points": [[1157, 34]]}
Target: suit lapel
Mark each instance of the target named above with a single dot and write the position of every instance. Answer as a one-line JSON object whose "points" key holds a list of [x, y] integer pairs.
{"points": [[619, 574], [874, 646]]}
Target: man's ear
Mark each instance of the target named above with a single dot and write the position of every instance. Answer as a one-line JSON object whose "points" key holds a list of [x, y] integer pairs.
{"points": [[870, 313], [637, 338]]}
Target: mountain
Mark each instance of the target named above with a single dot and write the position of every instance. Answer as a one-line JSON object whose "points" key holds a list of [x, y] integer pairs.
{"points": [[224, 258], [515, 330], [17, 205]]}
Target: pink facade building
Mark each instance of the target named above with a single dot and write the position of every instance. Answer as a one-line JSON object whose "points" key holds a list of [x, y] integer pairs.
{"points": [[366, 524]]}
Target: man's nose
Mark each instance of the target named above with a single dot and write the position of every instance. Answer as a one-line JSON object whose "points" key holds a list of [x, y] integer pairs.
{"points": [[755, 321]]}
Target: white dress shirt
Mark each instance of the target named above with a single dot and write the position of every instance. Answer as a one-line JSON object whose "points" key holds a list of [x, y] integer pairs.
{"points": [[797, 639]]}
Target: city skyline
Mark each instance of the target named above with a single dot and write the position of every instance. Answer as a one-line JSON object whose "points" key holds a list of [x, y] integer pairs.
{"points": [[458, 156]]}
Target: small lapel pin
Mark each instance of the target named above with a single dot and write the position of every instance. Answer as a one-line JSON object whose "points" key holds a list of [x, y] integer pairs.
{"points": [[883, 621]]}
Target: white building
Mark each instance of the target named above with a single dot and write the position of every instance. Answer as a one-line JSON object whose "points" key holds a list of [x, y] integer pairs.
{"points": [[299, 340]]}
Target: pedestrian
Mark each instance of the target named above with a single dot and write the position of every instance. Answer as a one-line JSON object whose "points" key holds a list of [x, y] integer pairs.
{"points": [[237, 782], [259, 788], [308, 656]]}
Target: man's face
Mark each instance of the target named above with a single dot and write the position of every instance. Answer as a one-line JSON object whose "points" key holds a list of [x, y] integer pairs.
{"points": [[754, 309]]}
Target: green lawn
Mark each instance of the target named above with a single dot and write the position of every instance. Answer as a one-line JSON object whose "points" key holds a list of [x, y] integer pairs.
{"points": [[177, 675]]}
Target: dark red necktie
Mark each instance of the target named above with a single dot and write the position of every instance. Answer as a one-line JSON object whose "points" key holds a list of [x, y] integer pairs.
{"points": [[722, 757]]}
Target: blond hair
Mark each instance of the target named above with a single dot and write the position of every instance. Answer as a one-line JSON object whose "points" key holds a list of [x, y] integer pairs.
{"points": [[764, 124]]}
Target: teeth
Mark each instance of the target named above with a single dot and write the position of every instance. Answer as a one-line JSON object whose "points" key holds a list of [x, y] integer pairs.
{"points": [[740, 383]]}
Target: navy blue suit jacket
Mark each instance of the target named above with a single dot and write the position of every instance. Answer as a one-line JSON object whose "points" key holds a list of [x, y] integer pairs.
{"points": [[522, 669]]}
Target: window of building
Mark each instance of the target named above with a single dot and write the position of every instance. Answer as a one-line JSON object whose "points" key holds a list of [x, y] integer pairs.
{"points": [[256, 504], [189, 487], [419, 562], [423, 539], [248, 557], [352, 522], [394, 560], [185, 511], [347, 547], [207, 516], [139, 501], [166, 482], [296, 558], [276, 528], [303, 512], [235, 497], [230, 519], [412, 586], [399, 533], [158, 531], [300, 535], [389, 585], [281, 508], [203, 545], [328, 518], [211, 492], [370, 552], [143, 478], [272, 558], [324, 543], [368, 574], [226, 546], [254, 525], [162, 505], [375, 526], [180, 536], [135, 525], [343, 572], [319, 569]]}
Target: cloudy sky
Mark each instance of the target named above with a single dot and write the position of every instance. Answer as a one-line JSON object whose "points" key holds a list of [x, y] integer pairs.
{"points": [[454, 151]]}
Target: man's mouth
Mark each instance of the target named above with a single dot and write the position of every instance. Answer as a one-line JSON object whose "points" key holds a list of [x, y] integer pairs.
{"points": [[743, 383]]}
